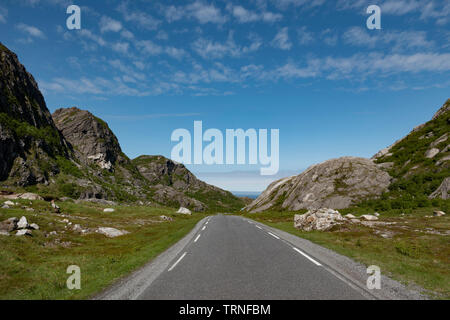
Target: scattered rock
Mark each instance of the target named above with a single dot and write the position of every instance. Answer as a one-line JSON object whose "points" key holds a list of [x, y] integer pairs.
{"points": [[376, 214], [431, 153], [350, 216], [184, 211], [9, 224], [4, 233], [166, 218], [9, 203], [111, 232], [29, 209], [5, 206], [108, 210], [77, 228], [369, 217], [439, 213], [318, 219], [24, 232], [53, 233], [22, 224], [30, 196], [55, 207]]}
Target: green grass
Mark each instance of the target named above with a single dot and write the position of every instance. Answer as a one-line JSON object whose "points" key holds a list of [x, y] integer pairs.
{"points": [[410, 256], [35, 267]]}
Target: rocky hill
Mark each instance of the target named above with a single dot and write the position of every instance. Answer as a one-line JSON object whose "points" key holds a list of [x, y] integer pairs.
{"points": [[335, 183], [410, 173], [73, 153], [420, 162], [173, 181], [30, 144]]}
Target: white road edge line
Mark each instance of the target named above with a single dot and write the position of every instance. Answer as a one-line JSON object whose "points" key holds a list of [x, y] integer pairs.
{"points": [[308, 257], [175, 264], [197, 237], [276, 237], [258, 227], [203, 228]]}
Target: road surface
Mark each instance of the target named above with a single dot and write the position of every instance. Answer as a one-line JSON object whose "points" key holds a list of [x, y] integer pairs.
{"points": [[230, 257]]}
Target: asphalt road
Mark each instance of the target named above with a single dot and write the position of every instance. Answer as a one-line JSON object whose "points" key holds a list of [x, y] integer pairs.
{"points": [[233, 258]]}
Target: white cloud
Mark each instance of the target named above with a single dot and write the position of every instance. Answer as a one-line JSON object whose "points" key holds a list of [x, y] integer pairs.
{"points": [[243, 15], [281, 40], [109, 24], [205, 13], [397, 40], [89, 35], [127, 34], [175, 53], [199, 10], [143, 19], [149, 47], [162, 35], [305, 36], [3, 14], [31, 31], [121, 47], [212, 50], [173, 13]]}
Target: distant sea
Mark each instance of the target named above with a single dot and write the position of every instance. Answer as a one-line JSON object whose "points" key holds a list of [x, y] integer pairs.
{"points": [[248, 194]]}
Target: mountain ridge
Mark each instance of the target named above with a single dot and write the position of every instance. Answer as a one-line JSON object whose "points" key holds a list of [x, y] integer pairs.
{"points": [[75, 154]]}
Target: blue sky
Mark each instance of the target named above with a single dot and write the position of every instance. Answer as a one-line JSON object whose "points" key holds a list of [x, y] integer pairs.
{"points": [[308, 68]]}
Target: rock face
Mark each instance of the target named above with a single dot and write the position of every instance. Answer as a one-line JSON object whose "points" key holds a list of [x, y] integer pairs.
{"points": [[93, 140], [443, 191], [173, 182], [335, 183], [28, 135], [318, 219]]}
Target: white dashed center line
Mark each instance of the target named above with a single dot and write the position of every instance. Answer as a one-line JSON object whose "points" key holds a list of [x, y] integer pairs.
{"points": [[204, 228], [308, 257], [175, 264], [259, 227], [197, 237]]}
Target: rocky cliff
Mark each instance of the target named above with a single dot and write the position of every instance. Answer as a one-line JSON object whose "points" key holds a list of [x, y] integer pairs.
{"points": [[92, 139], [29, 140], [409, 173]]}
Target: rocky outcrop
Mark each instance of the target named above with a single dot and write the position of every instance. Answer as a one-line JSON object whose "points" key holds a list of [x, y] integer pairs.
{"points": [[443, 192], [318, 219], [336, 183], [28, 136], [91, 137]]}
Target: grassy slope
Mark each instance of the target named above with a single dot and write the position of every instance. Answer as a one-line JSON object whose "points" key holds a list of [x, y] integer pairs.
{"points": [[30, 270], [411, 256]]}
